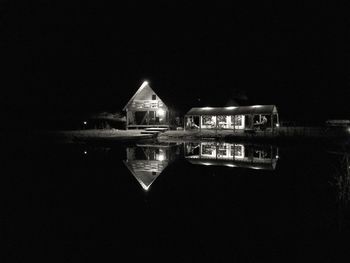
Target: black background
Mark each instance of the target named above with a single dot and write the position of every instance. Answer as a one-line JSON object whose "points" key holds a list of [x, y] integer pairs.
{"points": [[66, 58]]}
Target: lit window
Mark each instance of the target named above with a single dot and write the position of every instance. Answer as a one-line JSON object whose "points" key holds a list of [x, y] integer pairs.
{"points": [[208, 120], [236, 120]]}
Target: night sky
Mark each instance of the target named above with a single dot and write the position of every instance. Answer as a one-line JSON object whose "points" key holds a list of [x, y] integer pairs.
{"points": [[92, 56]]}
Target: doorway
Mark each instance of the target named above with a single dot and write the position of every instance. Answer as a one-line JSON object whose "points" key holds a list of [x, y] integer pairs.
{"points": [[140, 117]]}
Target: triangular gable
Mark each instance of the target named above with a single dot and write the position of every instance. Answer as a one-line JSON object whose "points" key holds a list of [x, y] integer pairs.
{"points": [[144, 85], [145, 176]]}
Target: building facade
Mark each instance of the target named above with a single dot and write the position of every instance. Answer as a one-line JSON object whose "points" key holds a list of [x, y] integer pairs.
{"points": [[237, 118], [145, 110]]}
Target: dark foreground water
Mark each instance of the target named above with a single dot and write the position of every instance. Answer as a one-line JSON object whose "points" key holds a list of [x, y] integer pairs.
{"points": [[193, 202]]}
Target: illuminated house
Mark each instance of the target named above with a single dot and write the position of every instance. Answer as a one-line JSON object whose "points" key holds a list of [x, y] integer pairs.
{"points": [[147, 162], [145, 109], [232, 155], [236, 118]]}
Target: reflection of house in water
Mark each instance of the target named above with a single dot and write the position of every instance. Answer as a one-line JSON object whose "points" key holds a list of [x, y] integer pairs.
{"points": [[147, 162], [232, 155]]}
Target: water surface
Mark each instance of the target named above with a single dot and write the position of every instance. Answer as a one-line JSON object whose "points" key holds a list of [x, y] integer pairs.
{"points": [[179, 202]]}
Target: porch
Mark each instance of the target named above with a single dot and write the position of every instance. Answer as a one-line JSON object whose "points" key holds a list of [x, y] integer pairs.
{"points": [[141, 119], [245, 118]]}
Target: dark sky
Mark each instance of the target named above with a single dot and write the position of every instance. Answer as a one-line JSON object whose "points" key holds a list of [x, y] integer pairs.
{"points": [[93, 55]]}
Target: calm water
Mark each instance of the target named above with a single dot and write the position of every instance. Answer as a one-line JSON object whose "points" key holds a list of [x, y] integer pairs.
{"points": [[191, 202]]}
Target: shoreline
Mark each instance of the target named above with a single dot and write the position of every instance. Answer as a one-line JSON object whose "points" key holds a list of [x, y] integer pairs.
{"points": [[290, 134], [280, 135]]}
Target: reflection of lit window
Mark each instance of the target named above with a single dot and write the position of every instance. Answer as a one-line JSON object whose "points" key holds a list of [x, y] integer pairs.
{"points": [[207, 149], [222, 150], [237, 150], [161, 155]]}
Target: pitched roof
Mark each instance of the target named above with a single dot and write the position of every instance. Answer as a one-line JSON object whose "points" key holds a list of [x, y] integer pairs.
{"points": [[143, 174], [144, 85], [235, 110]]}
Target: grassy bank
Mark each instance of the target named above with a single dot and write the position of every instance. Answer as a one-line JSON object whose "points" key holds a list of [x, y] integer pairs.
{"points": [[111, 135], [281, 134]]}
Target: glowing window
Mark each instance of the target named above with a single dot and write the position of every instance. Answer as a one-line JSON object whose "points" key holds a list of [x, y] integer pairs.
{"points": [[208, 120], [236, 120]]}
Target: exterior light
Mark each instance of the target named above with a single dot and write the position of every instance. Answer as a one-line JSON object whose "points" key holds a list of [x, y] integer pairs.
{"points": [[161, 157], [145, 187], [160, 112], [145, 83], [277, 124], [85, 122], [85, 152]]}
